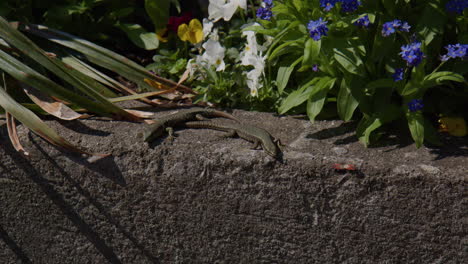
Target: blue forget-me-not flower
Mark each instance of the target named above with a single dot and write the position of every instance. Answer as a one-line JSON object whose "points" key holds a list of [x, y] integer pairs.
{"points": [[398, 75], [363, 21], [392, 26], [456, 6], [415, 105], [455, 51], [317, 28], [412, 53]]}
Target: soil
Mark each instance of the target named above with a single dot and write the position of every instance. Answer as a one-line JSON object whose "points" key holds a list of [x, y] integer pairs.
{"points": [[204, 198]]}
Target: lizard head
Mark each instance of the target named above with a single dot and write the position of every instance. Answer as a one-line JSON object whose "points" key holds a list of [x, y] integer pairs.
{"points": [[154, 131], [271, 148]]}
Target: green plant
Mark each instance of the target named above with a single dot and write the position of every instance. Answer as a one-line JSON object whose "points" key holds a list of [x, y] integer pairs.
{"points": [[27, 66], [374, 60]]}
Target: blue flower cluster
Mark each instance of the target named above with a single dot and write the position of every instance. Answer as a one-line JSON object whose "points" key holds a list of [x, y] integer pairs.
{"points": [[328, 4], [415, 105], [317, 28], [412, 53], [265, 11], [456, 6], [363, 21], [455, 51], [398, 75], [346, 5], [392, 26]]}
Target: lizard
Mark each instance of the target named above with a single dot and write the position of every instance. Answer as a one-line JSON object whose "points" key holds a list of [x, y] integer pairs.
{"points": [[257, 135], [166, 123]]}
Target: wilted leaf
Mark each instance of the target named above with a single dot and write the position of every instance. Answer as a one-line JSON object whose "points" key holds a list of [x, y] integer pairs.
{"points": [[51, 106], [30, 120], [12, 133]]}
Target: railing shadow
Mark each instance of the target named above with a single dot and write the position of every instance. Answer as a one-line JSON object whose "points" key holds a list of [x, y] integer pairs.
{"points": [[101, 167], [13, 246], [56, 197]]}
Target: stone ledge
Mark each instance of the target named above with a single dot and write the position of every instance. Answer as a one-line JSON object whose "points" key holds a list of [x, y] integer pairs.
{"points": [[206, 199]]}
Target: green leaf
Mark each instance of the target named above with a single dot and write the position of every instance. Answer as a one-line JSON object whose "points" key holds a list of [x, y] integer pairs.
{"points": [[80, 81], [416, 126], [317, 97], [283, 75], [348, 54], [158, 11], [298, 4], [311, 51], [365, 127], [100, 56], [178, 66], [140, 37], [380, 83], [431, 23], [437, 78], [355, 84], [284, 48], [297, 97], [27, 75], [346, 103]]}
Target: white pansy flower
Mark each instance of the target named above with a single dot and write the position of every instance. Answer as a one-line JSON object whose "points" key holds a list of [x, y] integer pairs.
{"points": [[207, 27], [214, 54], [225, 9], [252, 56]]}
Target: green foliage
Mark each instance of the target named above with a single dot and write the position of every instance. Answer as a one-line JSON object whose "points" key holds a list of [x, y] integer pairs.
{"points": [[54, 76], [106, 21], [357, 64]]}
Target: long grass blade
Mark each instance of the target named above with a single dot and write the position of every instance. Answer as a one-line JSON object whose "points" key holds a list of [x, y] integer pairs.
{"points": [[75, 78], [33, 122], [101, 56]]}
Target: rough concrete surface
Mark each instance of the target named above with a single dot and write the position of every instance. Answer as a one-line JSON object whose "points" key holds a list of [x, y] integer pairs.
{"points": [[205, 199]]}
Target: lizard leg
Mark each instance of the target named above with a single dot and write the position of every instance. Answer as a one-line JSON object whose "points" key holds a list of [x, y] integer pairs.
{"points": [[200, 117], [229, 133], [278, 143], [256, 144], [170, 131]]}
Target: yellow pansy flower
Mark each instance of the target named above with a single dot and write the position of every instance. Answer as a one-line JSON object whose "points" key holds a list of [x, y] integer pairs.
{"points": [[455, 126], [192, 33]]}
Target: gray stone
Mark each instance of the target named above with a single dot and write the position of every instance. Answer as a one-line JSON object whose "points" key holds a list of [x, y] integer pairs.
{"points": [[201, 199]]}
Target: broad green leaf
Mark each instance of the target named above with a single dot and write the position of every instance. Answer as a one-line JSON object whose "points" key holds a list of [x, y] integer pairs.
{"points": [[283, 75], [365, 127], [297, 97], [280, 36], [280, 8], [284, 48], [355, 85], [414, 86], [437, 78], [346, 103], [348, 54], [298, 4], [416, 126], [140, 37], [30, 120], [380, 83], [158, 11], [431, 22], [311, 51], [317, 98]]}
